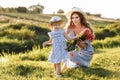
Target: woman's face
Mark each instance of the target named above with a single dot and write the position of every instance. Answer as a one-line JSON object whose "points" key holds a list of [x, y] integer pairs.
{"points": [[75, 19]]}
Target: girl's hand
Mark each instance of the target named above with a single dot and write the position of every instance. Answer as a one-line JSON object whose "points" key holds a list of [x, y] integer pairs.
{"points": [[76, 38], [47, 43], [44, 44]]}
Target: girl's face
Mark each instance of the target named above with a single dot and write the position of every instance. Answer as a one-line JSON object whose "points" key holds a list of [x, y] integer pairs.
{"points": [[75, 19], [56, 25]]}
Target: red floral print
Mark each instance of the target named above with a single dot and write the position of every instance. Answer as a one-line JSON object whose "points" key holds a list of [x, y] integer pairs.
{"points": [[77, 62], [72, 54]]}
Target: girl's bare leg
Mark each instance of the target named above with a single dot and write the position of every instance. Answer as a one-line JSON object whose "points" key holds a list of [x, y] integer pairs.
{"points": [[58, 68], [55, 68]]}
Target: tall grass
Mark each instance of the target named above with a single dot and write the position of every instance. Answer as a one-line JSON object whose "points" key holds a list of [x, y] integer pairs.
{"points": [[105, 65], [107, 42]]}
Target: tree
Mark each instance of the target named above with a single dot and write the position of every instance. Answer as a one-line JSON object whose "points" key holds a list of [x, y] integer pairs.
{"points": [[22, 9], [60, 11], [1, 9], [88, 13], [10, 9], [97, 15], [36, 8]]}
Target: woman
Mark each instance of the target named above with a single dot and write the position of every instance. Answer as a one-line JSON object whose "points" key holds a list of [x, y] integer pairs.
{"points": [[77, 24]]}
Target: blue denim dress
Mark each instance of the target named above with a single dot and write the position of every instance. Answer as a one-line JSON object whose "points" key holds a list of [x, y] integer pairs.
{"points": [[58, 52], [80, 57]]}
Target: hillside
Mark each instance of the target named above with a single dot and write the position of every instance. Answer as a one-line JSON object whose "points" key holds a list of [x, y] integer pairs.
{"points": [[23, 58], [44, 18], [21, 32]]}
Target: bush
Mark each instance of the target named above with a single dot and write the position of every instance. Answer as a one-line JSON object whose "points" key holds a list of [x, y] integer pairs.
{"points": [[105, 33], [115, 27], [26, 35], [107, 43]]}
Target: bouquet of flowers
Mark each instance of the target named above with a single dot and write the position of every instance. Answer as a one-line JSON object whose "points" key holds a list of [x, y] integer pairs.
{"points": [[84, 35]]}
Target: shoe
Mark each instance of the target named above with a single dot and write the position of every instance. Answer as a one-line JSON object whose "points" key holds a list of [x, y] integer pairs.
{"points": [[58, 75]]}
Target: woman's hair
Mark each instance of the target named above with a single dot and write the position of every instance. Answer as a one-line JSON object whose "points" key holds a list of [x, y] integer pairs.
{"points": [[83, 21]]}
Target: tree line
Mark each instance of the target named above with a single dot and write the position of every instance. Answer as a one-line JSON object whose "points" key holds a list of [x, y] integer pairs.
{"points": [[21, 9], [36, 9]]}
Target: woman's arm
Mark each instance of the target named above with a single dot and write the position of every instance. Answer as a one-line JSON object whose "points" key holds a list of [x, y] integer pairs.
{"points": [[69, 38], [49, 42]]}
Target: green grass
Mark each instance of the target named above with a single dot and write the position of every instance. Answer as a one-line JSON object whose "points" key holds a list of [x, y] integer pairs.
{"points": [[22, 58], [107, 42], [33, 65]]}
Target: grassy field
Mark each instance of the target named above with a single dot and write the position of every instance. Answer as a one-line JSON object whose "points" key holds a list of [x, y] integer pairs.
{"points": [[33, 65], [22, 58]]}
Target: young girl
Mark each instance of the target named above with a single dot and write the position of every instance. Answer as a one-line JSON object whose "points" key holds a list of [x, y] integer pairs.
{"points": [[58, 40]]}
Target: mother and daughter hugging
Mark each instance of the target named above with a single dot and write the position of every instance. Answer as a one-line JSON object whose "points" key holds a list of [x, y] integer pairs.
{"points": [[77, 25]]}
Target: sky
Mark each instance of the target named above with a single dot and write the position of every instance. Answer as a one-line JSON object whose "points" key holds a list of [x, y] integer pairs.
{"points": [[107, 8]]}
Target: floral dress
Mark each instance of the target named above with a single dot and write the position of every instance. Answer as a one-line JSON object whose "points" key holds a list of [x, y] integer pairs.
{"points": [[58, 52], [80, 57]]}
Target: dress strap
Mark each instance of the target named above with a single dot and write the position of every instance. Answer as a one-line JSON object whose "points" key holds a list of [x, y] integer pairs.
{"points": [[72, 34]]}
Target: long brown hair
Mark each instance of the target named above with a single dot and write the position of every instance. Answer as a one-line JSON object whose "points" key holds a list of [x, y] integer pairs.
{"points": [[83, 21]]}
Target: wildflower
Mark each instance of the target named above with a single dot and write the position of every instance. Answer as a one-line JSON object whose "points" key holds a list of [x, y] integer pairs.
{"points": [[85, 35]]}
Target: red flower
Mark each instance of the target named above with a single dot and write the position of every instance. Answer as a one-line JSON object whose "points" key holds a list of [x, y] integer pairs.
{"points": [[84, 35], [86, 31], [90, 37]]}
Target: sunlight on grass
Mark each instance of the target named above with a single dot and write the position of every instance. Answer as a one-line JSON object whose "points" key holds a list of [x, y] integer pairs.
{"points": [[105, 65], [3, 60]]}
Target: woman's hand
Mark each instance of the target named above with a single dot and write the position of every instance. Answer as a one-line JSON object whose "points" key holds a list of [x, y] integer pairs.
{"points": [[81, 44]]}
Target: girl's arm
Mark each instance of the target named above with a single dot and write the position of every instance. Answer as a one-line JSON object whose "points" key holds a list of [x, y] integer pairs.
{"points": [[69, 38], [49, 42]]}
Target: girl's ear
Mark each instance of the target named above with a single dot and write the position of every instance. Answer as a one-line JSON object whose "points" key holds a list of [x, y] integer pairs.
{"points": [[49, 25]]}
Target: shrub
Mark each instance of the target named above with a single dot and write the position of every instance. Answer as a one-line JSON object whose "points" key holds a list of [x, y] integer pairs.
{"points": [[105, 33], [26, 35], [115, 27], [107, 43]]}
